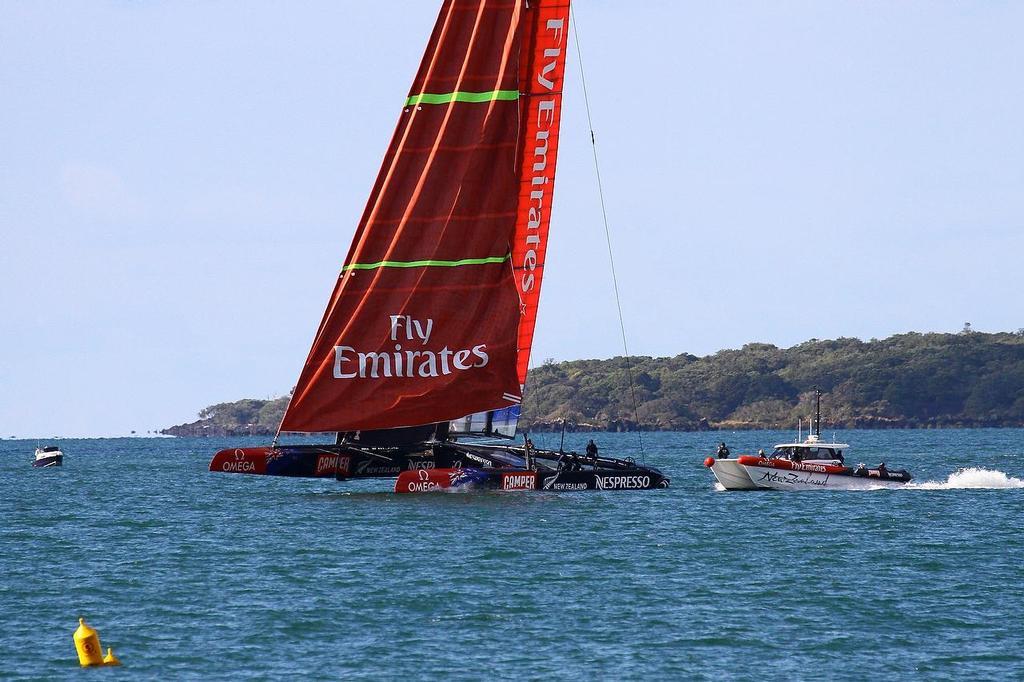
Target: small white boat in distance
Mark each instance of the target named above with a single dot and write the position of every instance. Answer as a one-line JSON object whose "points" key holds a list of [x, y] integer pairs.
{"points": [[48, 456]]}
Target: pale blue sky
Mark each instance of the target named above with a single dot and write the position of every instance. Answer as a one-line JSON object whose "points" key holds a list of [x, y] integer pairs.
{"points": [[179, 182]]}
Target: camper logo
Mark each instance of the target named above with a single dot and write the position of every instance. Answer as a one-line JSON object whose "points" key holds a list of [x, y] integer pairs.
{"points": [[329, 463], [521, 480]]}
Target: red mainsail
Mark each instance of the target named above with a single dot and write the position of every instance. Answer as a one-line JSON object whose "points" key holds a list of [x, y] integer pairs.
{"points": [[434, 309]]}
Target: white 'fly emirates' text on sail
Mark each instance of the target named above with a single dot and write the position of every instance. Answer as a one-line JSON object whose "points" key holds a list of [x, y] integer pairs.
{"points": [[350, 363], [545, 119]]}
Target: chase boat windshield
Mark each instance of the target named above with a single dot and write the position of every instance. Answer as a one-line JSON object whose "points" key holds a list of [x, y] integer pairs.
{"points": [[811, 449]]}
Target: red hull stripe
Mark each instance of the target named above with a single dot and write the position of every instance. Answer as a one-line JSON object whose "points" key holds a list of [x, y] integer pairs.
{"points": [[424, 480], [240, 461], [751, 461]]}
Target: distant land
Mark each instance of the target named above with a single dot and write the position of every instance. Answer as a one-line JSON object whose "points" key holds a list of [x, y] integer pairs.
{"points": [[911, 380]]}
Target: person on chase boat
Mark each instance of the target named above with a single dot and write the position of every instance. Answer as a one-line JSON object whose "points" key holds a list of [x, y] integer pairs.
{"points": [[723, 452]]}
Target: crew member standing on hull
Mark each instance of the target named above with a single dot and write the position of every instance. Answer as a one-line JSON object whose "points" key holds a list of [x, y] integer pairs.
{"points": [[592, 450]]}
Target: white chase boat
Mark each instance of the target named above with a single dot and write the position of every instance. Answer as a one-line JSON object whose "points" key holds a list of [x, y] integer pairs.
{"points": [[810, 465]]}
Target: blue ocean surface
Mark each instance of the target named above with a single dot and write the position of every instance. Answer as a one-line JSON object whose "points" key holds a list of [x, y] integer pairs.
{"points": [[194, 575]]}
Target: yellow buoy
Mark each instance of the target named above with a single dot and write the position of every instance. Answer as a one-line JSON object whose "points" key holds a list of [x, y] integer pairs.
{"points": [[87, 642], [110, 658]]}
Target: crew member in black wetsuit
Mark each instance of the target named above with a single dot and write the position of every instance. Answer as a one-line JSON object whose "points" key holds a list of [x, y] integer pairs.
{"points": [[723, 452], [592, 450], [528, 454]]}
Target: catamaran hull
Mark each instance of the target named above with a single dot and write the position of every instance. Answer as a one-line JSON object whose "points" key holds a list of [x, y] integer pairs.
{"points": [[474, 478], [429, 468], [626, 479], [329, 461], [732, 475]]}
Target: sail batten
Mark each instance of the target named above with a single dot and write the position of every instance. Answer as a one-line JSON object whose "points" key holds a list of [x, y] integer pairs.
{"points": [[461, 96], [427, 263], [426, 322]]}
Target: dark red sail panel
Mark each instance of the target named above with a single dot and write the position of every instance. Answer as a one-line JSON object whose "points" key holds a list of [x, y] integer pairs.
{"points": [[542, 71], [423, 321]]}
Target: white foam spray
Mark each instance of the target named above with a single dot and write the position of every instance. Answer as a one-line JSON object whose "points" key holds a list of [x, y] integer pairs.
{"points": [[972, 477]]}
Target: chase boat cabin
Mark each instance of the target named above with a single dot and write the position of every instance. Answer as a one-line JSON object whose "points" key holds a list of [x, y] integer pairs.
{"points": [[811, 451]]}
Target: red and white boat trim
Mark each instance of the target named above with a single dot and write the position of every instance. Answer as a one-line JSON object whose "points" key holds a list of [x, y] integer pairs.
{"points": [[781, 474]]}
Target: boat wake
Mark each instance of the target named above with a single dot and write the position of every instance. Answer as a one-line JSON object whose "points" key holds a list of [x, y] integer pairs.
{"points": [[971, 477]]}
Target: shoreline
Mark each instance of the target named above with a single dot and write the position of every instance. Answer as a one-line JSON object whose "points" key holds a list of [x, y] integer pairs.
{"points": [[176, 432]]}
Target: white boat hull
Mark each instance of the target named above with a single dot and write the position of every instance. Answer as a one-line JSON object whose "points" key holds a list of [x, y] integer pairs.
{"points": [[732, 475], [50, 460], [781, 479]]}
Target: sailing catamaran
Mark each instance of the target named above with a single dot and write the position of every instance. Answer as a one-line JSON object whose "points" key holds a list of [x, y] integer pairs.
{"points": [[433, 313]]}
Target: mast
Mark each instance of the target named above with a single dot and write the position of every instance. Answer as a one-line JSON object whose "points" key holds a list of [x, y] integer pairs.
{"points": [[817, 412]]}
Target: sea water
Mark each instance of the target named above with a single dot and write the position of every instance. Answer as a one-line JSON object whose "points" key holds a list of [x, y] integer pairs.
{"points": [[195, 575]]}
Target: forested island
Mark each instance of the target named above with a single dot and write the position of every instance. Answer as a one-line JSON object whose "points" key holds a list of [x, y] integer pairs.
{"points": [[906, 381]]}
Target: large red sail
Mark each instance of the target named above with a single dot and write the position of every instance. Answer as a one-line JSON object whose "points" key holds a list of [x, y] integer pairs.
{"points": [[423, 322]]}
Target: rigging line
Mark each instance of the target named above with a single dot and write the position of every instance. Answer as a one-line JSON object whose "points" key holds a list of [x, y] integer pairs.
{"points": [[607, 234]]}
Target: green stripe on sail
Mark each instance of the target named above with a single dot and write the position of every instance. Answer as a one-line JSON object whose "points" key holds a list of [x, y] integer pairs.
{"points": [[426, 263], [461, 96]]}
